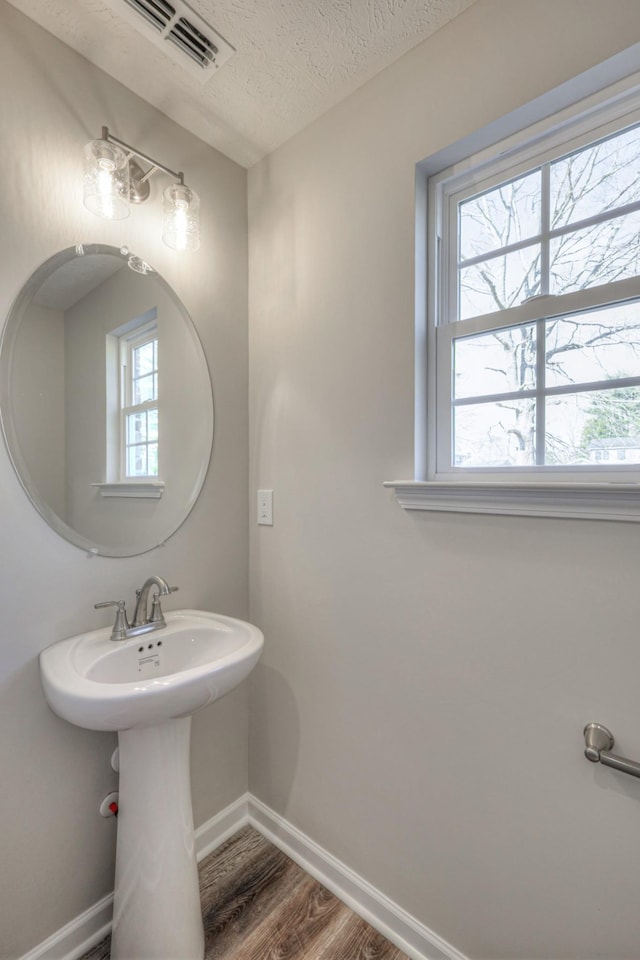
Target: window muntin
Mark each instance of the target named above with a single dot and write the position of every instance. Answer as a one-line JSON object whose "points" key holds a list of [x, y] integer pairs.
{"points": [[515, 396], [538, 394], [570, 224], [580, 183], [501, 217]]}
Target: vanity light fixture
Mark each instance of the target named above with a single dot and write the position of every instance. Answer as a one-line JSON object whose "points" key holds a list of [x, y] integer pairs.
{"points": [[113, 179]]}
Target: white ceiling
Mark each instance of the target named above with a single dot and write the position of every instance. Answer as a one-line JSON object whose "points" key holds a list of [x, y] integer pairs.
{"points": [[74, 279], [294, 59]]}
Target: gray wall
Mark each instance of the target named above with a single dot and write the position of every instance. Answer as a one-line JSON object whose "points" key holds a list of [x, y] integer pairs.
{"points": [[39, 387], [419, 707], [56, 851], [426, 678]]}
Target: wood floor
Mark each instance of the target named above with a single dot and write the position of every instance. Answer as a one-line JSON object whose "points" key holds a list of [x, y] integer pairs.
{"points": [[257, 904]]}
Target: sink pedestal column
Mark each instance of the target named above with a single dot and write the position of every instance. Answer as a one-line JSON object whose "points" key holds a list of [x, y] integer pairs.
{"points": [[157, 914]]}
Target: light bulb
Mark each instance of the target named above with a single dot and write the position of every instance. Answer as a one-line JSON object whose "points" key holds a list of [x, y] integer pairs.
{"points": [[181, 225], [106, 180], [181, 218]]}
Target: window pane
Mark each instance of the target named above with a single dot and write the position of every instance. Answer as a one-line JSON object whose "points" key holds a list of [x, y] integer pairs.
{"points": [[144, 389], [600, 345], [137, 461], [153, 459], [152, 424], [499, 282], [507, 214], [499, 362], [600, 427], [136, 427], [599, 178], [598, 254], [494, 434], [144, 359]]}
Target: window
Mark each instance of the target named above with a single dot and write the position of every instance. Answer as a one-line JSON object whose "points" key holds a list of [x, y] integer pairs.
{"points": [[132, 404], [139, 403], [534, 319]]}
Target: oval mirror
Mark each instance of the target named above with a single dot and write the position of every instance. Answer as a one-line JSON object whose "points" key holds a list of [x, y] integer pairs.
{"points": [[105, 400]]}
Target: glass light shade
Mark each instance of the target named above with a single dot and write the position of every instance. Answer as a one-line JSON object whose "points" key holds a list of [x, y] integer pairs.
{"points": [[106, 180], [181, 218]]}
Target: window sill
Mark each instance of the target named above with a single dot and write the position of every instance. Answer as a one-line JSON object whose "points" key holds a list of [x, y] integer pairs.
{"points": [[577, 501], [136, 489]]}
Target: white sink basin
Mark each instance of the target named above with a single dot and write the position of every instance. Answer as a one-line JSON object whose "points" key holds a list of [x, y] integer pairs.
{"points": [[146, 688], [105, 684]]}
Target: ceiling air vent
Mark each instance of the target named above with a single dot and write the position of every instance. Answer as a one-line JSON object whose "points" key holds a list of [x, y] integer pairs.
{"points": [[179, 32], [156, 12], [195, 44]]}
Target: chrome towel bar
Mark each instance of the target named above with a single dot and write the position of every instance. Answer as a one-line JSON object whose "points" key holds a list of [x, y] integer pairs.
{"points": [[598, 743]]}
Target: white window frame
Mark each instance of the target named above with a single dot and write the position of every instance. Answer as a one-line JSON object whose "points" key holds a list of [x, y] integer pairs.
{"points": [[145, 333], [446, 192], [550, 491], [116, 485]]}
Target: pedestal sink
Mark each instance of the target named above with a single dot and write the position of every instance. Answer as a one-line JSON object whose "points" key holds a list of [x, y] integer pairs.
{"points": [[146, 688]]}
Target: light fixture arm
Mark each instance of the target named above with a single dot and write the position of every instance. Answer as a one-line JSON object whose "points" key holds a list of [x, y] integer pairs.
{"points": [[113, 179], [133, 152]]}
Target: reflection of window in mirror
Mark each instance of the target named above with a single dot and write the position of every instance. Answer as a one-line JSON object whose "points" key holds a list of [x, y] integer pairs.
{"points": [[132, 399], [139, 420]]}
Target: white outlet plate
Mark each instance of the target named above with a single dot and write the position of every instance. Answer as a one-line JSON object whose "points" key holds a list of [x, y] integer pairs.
{"points": [[265, 507]]}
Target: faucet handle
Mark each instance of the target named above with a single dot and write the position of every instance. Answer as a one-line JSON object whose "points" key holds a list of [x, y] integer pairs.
{"points": [[120, 604], [121, 624], [157, 616]]}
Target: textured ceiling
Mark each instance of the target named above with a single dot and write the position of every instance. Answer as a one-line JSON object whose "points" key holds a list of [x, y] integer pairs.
{"points": [[294, 59]]}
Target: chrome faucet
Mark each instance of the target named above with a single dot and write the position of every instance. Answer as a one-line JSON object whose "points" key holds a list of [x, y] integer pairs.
{"points": [[143, 622], [140, 616]]}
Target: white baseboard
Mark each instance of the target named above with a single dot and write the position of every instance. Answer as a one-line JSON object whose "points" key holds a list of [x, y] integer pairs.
{"points": [[74, 940], [223, 825], [77, 937], [403, 930], [394, 923]]}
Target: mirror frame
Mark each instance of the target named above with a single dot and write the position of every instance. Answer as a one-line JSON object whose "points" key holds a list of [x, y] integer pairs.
{"points": [[8, 340]]}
